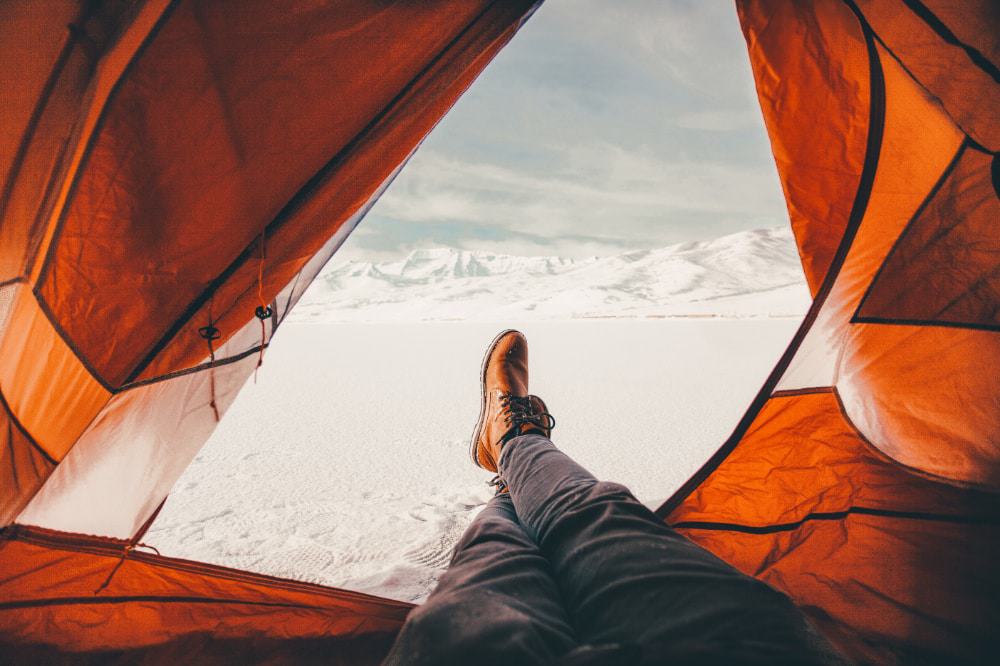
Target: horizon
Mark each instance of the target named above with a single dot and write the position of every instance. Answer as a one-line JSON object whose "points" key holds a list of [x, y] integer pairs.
{"points": [[722, 276], [340, 259]]}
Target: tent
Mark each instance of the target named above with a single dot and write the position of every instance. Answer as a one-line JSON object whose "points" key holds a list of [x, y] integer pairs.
{"points": [[174, 174], [862, 480]]}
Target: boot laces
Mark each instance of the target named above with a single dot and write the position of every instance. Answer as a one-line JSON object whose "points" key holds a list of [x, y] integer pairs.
{"points": [[521, 410], [499, 484]]}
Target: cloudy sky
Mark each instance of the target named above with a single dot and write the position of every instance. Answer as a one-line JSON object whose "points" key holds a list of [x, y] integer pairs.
{"points": [[604, 126]]}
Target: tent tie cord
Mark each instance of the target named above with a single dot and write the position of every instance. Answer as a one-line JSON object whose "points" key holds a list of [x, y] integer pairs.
{"points": [[263, 310], [132, 544], [129, 547], [211, 333]]}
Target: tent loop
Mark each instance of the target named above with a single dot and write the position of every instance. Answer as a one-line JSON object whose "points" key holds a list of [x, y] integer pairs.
{"points": [[148, 547], [129, 548], [134, 543], [211, 333]]}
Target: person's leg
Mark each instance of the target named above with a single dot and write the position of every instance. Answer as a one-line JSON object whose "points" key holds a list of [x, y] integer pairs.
{"points": [[496, 604], [628, 578]]}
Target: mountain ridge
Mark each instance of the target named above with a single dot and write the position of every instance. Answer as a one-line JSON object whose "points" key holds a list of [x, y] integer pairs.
{"points": [[746, 274]]}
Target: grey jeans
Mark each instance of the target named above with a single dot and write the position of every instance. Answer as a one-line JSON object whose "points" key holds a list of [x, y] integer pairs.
{"points": [[566, 569]]}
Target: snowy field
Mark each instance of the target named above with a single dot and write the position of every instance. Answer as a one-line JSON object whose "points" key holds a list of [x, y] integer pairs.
{"points": [[347, 462], [347, 465]]}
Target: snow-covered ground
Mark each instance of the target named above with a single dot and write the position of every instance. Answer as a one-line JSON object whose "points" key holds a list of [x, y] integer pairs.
{"points": [[346, 463]]}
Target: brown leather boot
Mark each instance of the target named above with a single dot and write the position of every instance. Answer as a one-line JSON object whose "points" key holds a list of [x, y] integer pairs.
{"points": [[507, 408]]}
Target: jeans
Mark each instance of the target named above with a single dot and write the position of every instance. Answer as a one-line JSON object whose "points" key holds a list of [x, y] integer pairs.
{"points": [[566, 569]]}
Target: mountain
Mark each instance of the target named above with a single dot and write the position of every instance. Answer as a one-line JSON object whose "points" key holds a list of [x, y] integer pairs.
{"points": [[747, 274]]}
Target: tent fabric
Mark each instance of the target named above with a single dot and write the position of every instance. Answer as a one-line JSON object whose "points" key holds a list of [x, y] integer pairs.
{"points": [[945, 232], [173, 175], [952, 50], [863, 481], [46, 60], [154, 609], [180, 166], [889, 564], [286, 133], [24, 464]]}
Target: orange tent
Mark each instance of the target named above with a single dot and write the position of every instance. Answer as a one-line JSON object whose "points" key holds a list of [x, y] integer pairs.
{"points": [[862, 480], [175, 173]]}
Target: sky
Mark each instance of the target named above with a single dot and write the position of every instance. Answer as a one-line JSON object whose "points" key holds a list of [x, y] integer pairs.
{"points": [[603, 127]]}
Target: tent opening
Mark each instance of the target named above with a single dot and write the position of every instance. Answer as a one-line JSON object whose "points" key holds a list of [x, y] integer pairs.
{"points": [[494, 223]]}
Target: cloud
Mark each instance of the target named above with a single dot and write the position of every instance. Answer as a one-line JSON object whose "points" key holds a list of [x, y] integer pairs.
{"points": [[603, 126], [699, 44], [601, 194], [718, 120], [383, 239]]}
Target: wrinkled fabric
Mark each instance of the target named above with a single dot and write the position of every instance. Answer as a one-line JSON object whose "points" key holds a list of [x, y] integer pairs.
{"points": [[75, 599], [890, 566], [169, 168], [571, 570]]}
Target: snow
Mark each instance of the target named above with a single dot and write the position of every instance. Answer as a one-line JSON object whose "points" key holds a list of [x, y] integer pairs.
{"points": [[347, 462], [748, 274]]}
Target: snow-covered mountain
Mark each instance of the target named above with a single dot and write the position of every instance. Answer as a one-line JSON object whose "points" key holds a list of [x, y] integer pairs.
{"points": [[748, 274]]}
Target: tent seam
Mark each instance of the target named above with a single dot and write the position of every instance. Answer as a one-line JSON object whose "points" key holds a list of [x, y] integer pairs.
{"points": [[837, 515]]}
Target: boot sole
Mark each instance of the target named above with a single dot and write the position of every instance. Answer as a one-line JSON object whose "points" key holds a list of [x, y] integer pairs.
{"points": [[474, 444]]}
